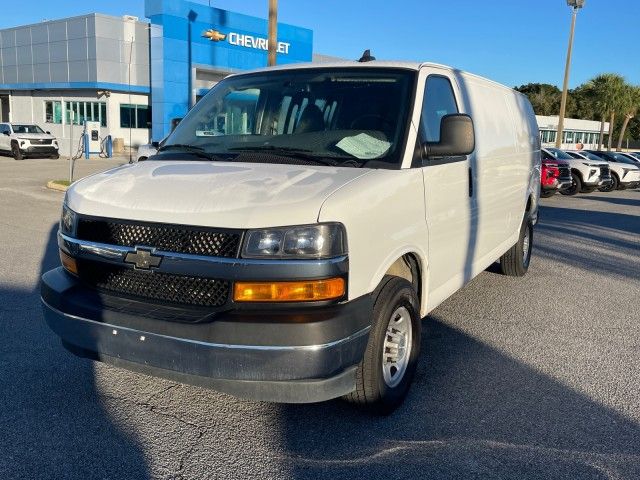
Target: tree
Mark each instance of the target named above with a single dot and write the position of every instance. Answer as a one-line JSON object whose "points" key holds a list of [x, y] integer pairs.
{"points": [[607, 90], [630, 103], [583, 104], [544, 98]]}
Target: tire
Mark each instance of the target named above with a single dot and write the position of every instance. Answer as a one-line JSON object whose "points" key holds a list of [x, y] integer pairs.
{"points": [[547, 193], [575, 187], [515, 262], [15, 151], [380, 388], [612, 186], [588, 189]]}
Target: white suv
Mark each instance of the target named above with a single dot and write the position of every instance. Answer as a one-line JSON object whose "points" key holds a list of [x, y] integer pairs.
{"points": [[587, 175], [22, 140], [289, 236]]}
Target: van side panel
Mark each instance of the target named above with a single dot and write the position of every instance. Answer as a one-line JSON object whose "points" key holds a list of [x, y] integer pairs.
{"points": [[499, 167]]}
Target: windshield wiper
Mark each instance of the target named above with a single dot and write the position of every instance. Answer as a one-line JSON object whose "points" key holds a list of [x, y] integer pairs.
{"points": [[193, 150], [302, 153]]}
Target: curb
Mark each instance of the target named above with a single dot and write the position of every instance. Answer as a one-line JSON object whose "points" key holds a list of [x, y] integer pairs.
{"points": [[56, 186]]}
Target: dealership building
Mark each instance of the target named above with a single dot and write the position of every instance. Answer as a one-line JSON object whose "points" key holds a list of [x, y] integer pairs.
{"points": [[576, 132], [131, 76]]}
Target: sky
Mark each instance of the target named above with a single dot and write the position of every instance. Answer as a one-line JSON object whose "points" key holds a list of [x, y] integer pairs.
{"points": [[511, 41]]}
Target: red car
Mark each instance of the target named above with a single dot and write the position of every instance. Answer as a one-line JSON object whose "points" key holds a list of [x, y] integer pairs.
{"points": [[556, 176]]}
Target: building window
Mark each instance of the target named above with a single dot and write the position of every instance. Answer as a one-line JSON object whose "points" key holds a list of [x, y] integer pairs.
{"points": [[53, 112], [548, 136], [86, 112], [135, 116]]}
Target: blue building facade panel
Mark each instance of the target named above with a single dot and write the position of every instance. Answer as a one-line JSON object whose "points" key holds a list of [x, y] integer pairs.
{"points": [[187, 35]]}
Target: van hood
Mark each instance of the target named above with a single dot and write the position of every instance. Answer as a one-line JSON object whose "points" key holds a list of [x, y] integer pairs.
{"points": [[219, 194]]}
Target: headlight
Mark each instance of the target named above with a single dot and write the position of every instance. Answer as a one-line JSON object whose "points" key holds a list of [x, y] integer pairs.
{"points": [[305, 241], [67, 221]]}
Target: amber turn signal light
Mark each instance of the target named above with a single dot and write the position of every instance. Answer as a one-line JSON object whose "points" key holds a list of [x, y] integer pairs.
{"points": [[304, 291], [68, 262]]}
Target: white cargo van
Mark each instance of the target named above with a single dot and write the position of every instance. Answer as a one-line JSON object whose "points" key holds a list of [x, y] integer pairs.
{"points": [[289, 236]]}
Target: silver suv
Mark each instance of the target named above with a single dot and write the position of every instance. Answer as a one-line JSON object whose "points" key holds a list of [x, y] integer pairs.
{"points": [[587, 175]]}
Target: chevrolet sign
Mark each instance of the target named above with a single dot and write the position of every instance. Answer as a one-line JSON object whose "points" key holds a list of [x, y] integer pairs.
{"points": [[243, 40]]}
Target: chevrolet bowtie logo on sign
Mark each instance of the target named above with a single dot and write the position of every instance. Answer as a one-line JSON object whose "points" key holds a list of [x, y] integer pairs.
{"points": [[214, 35], [243, 40], [143, 259]]}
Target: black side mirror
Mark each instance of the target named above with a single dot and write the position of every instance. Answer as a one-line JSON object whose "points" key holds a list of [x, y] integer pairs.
{"points": [[48, 132], [7, 133], [457, 137], [155, 144]]}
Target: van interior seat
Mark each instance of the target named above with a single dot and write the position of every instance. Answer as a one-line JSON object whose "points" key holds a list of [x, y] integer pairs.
{"points": [[311, 120]]}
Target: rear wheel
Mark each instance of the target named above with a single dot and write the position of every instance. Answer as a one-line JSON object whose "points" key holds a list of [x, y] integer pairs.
{"points": [[15, 151], [575, 187], [515, 262], [385, 373], [612, 186]]}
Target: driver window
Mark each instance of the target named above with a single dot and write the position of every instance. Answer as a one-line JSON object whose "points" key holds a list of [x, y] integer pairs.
{"points": [[439, 101]]}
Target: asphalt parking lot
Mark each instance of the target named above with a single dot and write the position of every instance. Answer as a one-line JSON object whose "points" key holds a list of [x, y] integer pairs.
{"points": [[519, 378]]}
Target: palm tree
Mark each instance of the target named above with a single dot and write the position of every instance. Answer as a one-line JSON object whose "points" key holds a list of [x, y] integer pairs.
{"points": [[607, 90], [631, 105]]}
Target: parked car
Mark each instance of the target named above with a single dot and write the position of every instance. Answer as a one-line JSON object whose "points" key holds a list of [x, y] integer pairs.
{"points": [[22, 140], [150, 149], [287, 239], [556, 176], [623, 175], [627, 173], [147, 150], [631, 157], [586, 176]]}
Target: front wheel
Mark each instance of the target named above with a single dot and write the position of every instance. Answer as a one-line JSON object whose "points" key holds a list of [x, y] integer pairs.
{"points": [[547, 193], [575, 187], [612, 186], [15, 151], [515, 262], [385, 373]]}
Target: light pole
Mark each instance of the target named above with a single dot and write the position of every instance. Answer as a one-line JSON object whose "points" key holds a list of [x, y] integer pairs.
{"points": [[132, 111], [273, 32], [575, 6]]}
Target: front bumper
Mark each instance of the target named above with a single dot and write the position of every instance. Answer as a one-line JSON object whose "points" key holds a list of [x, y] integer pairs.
{"points": [[40, 150], [559, 183], [293, 355]]}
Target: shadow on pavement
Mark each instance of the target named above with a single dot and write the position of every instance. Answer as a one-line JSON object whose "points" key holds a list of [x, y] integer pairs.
{"points": [[606, 242], [52, 422], [615, 200], [472, 413]]}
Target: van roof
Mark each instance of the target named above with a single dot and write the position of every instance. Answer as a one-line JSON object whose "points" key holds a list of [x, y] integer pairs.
{"points": [[373, 64]]}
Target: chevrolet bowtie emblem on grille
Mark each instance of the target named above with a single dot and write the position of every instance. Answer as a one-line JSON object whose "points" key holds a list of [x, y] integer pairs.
{"points": [[143, 259], [214, 35]]}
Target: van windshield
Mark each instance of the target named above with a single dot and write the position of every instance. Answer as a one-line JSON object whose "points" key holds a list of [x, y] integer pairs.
{"points": [[338, 117]]}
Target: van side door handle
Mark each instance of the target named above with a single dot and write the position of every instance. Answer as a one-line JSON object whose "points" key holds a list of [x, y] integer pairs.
{"points": [[470, 182]]}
